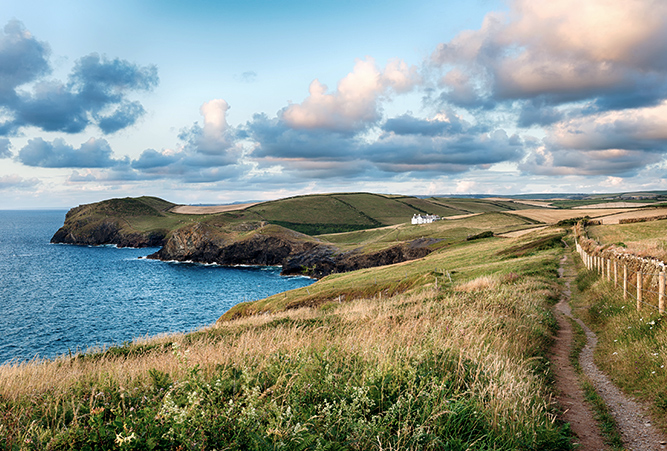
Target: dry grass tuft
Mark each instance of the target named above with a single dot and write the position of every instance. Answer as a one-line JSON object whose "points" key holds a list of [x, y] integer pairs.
{"points": [[478, 284]]}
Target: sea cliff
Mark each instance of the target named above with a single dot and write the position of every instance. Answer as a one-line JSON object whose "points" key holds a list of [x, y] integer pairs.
{"points": [[223, 239]]}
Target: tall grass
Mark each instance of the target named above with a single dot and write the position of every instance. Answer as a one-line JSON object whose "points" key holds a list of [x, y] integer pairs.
{"points": [[460, 368]]}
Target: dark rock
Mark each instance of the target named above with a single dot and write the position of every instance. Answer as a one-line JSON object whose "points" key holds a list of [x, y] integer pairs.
{"points": [[298, 254]]}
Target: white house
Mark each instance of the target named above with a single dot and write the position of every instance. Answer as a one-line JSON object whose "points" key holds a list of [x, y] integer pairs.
{"points": [[426, 219]]}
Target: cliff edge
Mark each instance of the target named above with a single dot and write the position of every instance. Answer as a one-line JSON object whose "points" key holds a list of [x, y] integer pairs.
{"points": [[227, 238]]}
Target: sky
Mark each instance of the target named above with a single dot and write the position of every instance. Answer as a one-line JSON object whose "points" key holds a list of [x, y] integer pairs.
{"points": [[212, 102]]}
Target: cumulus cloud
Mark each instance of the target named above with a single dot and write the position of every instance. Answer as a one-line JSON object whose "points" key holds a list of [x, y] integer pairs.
{"points": [[444, 144], [444, 123], [95, 93], [151, 158], [216, 137], [608, 52], [206, 153], [22, 59], [355, 103], [275, 139], [444, 153], [633, 129], [94, 153], [617, 143], [84, 176], [614, 162]]}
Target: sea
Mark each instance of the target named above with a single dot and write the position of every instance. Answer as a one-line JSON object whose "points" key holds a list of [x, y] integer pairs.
{"points": [[58, 299]]}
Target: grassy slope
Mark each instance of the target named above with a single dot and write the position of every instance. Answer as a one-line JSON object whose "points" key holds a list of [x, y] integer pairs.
{"points": [[141, 214], [317, 214], [457, 367], [480, 205], [455, 262], [448, 231], [648, 239]]}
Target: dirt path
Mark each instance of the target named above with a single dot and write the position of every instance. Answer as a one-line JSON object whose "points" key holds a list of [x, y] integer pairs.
{"points": [[636, 429], [570, 395]]}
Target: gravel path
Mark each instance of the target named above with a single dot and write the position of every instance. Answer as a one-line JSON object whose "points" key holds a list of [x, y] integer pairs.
{"points": [[636, 429]]}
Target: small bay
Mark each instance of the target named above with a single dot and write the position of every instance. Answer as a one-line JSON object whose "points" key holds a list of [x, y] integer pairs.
{"points": [[60, 298]]}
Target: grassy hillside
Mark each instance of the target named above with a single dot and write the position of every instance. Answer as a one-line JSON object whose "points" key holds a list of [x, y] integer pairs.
{"points": [[445, 232], [312, 215], [479, 205], [331, 213], [373, 359], [462, 261], [141, 214], [646, 239]]}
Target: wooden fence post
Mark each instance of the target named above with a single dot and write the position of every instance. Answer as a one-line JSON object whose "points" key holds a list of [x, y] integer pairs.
{"points": [[661, 292], [625, 281], [615, 273], [640, 280], [608, 268]]}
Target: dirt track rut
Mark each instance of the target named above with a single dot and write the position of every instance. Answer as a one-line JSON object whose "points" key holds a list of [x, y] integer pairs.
{"points": [[636, 429]]}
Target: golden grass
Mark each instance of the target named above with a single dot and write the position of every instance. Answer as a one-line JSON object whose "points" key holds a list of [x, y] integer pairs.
{"points": [[642, 213], [489, 330], [207, 210], [480, 283]]}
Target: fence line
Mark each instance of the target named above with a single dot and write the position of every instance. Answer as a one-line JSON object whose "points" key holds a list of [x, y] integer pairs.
{"points": [[648, 274]]}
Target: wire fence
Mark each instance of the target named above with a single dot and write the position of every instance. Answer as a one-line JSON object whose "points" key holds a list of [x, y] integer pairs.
{"points": [[641, 279]]}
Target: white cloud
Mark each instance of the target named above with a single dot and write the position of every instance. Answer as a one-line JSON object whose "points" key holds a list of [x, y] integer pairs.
{"points": [[466, 186], [567, 49], [354, 104]]}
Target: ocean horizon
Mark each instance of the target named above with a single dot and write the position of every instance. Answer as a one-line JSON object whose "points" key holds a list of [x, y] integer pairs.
{"points": [[57, 298]]}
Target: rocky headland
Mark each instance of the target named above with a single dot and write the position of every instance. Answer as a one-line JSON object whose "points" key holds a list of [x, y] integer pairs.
{"points": [[149, 223]]}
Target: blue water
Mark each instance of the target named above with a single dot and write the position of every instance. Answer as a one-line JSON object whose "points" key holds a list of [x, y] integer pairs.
{"points": [[56, 298]]}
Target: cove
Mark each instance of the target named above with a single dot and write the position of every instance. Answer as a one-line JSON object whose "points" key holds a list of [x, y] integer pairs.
{"points": [[60, 298]]}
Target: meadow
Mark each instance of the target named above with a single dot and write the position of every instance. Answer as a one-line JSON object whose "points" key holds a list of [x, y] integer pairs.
{"points": [[446, 352]]}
